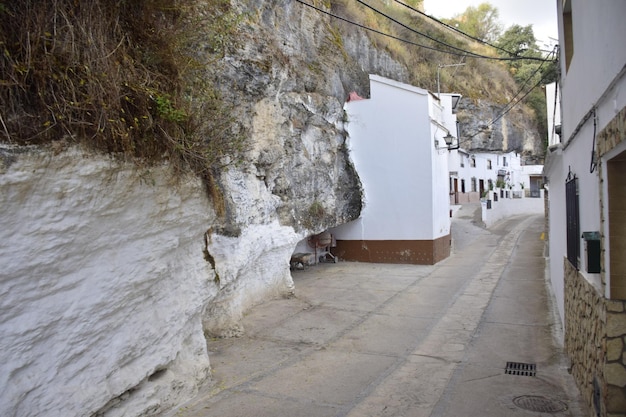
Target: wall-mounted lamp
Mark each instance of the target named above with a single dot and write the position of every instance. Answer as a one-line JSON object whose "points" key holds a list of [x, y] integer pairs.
{"points": [[449, 139]]}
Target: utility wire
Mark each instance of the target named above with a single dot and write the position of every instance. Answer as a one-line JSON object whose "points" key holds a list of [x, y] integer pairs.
{"points": [[464, 53], [380, 32], [460, 31], [411, 29], [530, 77], [436, 40], [510, 106], [454, 28]]}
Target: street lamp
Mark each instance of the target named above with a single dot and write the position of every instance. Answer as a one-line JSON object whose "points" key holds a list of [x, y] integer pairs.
{"points": [[449, 139]]}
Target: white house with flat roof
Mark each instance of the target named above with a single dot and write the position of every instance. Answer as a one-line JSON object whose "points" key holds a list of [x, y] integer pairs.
{"points": [[397, 144]]}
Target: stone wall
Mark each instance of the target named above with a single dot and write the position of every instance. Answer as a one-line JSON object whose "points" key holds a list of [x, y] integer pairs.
{"points": [[595, 341], [615, 367]]}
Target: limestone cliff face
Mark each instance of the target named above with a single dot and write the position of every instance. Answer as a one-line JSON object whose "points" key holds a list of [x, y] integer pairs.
{"points": [[114, 274], [515, 131], [290, 78]]}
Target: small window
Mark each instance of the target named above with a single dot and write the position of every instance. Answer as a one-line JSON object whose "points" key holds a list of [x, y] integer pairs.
{"points": [[462, 160], [488, 163], [473, 161]]}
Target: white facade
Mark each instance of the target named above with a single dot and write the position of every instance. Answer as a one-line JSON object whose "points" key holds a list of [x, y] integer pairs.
{"points": [[473, 175], [586, 168], [585, 86], [396, 143]]}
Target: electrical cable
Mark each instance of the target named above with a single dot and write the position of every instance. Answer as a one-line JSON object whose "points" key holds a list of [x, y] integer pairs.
{"points": [[530, 77], [454, 28], [378, 31], [461, 32], [464, 53], [507, 110], [411, 29]]}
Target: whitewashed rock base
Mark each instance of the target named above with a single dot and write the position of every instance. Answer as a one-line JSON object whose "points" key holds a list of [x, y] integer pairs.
{"points": [[103, 286]]}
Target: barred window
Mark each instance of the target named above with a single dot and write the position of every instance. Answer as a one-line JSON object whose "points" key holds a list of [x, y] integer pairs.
{"points": [[572, 218]]}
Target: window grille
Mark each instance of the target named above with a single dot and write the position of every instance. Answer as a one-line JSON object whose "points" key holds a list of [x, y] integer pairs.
{"points": [[572, 219]]}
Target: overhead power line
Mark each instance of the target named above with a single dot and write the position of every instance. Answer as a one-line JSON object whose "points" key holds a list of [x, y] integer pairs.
{"points": [[461, 32], [386, 16], [455, 29], [511, 104], [460, 52]]}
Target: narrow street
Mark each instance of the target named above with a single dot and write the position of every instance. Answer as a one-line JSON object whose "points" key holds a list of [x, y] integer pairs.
{"points": [[404, 340]]}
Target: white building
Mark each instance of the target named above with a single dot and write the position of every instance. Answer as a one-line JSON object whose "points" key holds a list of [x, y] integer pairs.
{"points": [[398, 148], [474, 175], [587, 196]]}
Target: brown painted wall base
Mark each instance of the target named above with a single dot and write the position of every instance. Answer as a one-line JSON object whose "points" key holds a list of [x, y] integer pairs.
{"points": [[419, 252]]}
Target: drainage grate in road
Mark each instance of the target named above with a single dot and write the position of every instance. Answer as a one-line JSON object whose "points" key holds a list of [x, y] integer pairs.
{"points": [[539, 404], [521, 369]]}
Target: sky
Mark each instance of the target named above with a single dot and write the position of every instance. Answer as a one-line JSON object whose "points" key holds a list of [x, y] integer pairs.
{"points": [[540, 13]]}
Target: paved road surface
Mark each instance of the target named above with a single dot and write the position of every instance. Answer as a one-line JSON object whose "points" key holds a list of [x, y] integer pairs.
{"points": [[362, 340]]}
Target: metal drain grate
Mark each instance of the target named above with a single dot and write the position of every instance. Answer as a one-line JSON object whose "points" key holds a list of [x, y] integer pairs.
{"points": [[539, 404], [521, 369]]}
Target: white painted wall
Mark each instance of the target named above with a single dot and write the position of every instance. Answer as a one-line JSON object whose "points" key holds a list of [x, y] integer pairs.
{"points": [[508, 207], [598, 29], [404, 178], [557, 230], [553, 113], [443, 121], [576, 157]]}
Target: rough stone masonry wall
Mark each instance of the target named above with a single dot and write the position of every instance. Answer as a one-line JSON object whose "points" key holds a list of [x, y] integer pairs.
{"points": [[595, 342]]}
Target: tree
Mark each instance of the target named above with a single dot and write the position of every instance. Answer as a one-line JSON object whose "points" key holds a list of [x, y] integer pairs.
{"points": [[481, 22], [520, 41]]}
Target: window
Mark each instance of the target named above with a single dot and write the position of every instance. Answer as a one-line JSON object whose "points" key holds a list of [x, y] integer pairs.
{"points": [[504, 163], [462, 160], [474, 184], [488, 163], [572, 219], [473, 161]]}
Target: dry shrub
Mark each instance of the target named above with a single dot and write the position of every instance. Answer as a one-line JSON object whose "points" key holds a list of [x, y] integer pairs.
{"points": [[121, 76]]}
